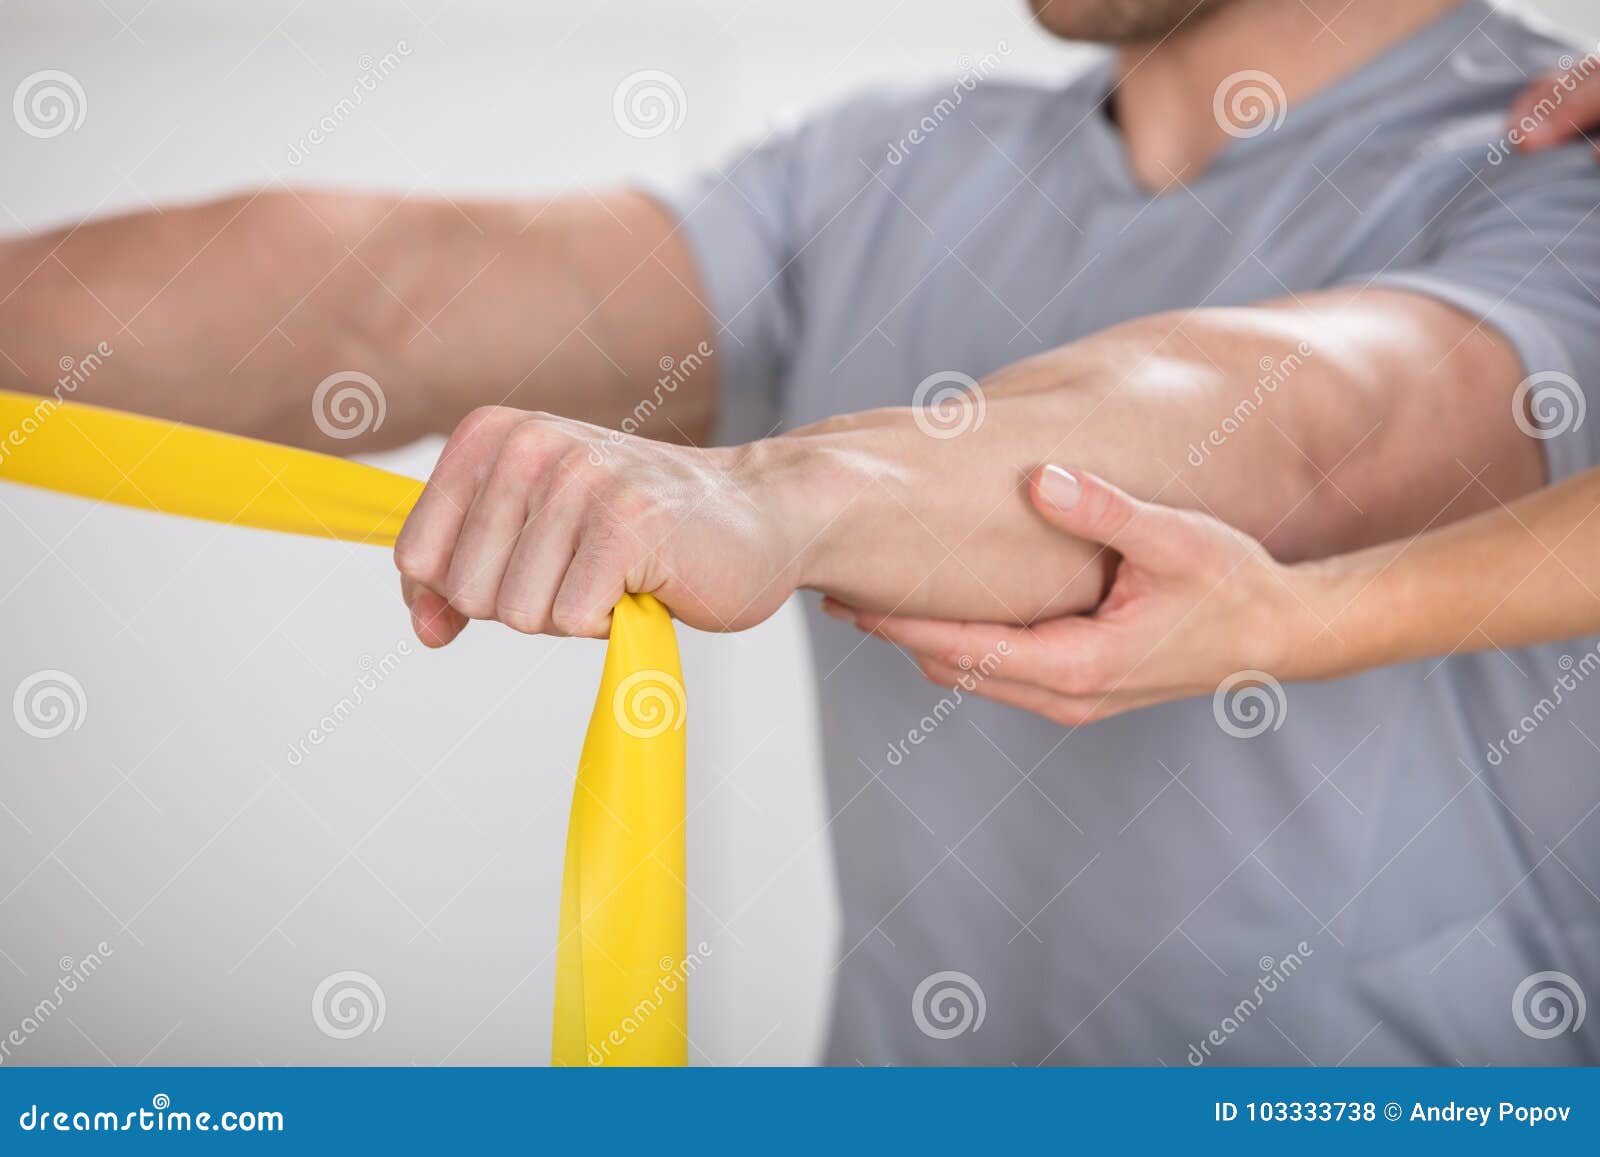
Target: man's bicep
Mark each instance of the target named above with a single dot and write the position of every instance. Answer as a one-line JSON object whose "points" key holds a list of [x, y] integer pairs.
{"points": [[1519, 254], [1420, 424]]}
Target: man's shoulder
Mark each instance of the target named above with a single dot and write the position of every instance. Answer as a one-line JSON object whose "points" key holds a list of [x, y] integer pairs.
{"points": [[1480, 73], [1444, 122]]}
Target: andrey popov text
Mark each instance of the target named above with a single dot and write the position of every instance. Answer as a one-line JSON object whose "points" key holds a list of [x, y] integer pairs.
{"points": [[1449, 1113]]}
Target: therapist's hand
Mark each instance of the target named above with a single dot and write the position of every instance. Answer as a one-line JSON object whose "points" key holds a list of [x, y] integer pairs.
{"points": [[543, 523], [1192, 601], [1556, 108]]}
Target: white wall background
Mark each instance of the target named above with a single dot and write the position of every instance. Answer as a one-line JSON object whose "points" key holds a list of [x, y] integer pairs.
{"points": [[422, 844]]}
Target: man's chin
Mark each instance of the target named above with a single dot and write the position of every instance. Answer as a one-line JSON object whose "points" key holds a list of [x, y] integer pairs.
{"points": [[1118, 21]]}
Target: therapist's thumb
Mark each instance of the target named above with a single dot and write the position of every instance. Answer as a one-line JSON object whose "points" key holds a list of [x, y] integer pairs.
{"points": [[1157, 537]]}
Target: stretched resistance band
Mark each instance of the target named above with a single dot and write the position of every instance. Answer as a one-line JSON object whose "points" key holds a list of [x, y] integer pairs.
{"points": [[620, 983]]}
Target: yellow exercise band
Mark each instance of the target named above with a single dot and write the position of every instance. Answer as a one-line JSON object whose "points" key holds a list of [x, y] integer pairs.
{"points": [[620, 973]]}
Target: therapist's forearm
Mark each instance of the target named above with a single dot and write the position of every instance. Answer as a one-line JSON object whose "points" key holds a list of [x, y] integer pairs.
{"points": [[1368, 437], [230, 313], [1512, 576]]}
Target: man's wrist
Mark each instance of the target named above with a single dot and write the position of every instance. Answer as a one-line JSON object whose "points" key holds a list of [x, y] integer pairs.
{"points": [[812, 484]]}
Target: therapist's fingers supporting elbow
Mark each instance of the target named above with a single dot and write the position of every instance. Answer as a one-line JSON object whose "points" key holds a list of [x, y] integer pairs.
{"points": [[1192, 600]]}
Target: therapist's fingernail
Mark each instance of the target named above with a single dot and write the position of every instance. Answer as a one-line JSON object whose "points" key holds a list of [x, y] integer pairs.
{"points": [[1059, 488]]}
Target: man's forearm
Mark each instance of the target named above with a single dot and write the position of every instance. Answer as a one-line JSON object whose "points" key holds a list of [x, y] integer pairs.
{"points": [[231, 313], [1381, 409]]}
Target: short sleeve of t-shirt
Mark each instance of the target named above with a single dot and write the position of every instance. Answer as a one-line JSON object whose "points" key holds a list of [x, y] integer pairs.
{"points": [[748, 224]]}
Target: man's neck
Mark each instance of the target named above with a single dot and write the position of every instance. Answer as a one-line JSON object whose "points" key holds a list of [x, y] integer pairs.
{"points": [[1167, 90]]}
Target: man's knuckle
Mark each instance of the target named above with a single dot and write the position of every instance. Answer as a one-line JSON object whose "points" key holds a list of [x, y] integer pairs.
{"points": [[567, 618], [528, 446], [414, 561], [477, 421], [519, 617], [573, 468], [466, 596]]}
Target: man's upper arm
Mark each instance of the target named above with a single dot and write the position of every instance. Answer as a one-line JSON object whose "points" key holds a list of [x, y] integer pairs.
{"points": [[1519, 251]]}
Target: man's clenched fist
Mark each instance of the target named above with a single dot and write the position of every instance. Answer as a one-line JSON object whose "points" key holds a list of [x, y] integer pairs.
{"points": [[543, 523]]}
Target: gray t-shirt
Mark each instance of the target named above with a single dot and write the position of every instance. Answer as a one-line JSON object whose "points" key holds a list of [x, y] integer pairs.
{"points": [[1381, 872]]}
